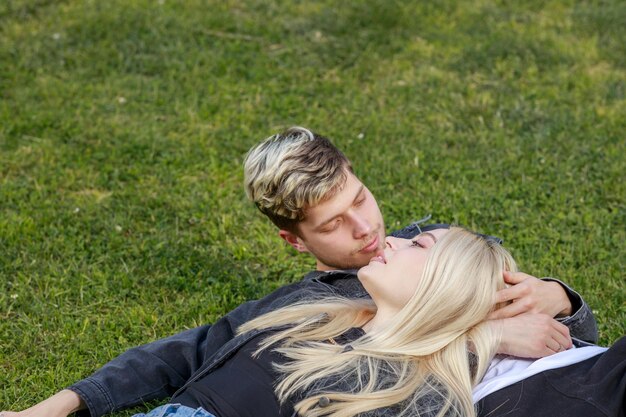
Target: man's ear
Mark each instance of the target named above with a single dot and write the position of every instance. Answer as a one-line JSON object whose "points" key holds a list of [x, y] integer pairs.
{"points": [[293, 240]]}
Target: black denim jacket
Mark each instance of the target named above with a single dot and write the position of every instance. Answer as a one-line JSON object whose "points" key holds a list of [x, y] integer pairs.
{"points": [[159, 369]]}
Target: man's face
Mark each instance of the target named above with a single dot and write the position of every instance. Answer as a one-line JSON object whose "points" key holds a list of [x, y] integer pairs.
{"points": [[344, 232]]}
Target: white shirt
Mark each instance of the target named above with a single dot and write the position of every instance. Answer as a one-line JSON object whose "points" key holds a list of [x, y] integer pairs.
{"points": [[507, 370]]}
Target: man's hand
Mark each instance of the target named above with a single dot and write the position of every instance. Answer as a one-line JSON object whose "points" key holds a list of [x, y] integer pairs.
{"points": [[531, 295], [61, 404], [532, 335]]}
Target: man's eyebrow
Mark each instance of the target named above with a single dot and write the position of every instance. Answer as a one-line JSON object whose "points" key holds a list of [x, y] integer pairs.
{"points": [[426, 233], [325, 222]]}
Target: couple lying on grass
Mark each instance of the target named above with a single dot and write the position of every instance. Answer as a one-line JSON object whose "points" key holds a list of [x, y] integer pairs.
{"points": [[436, 322]]}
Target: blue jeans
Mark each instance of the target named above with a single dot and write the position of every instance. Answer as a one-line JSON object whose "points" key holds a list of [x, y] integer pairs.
{"points": [[176, 410]]}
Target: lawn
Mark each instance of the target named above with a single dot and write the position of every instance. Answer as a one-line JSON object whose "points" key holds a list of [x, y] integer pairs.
{"points": [[123, 127]]}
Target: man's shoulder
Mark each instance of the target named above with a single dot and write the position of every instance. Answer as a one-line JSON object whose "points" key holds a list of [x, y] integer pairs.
{"points": [[341, 282], [325, 276]]}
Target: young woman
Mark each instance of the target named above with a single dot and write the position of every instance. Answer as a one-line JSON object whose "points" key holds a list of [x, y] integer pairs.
{"points": [[419, 347]]}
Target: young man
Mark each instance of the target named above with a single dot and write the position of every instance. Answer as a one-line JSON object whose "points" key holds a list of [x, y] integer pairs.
{"points": [[307, 187]]}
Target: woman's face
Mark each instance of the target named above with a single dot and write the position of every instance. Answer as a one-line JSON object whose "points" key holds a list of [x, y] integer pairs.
{"points": [[392, 277]]}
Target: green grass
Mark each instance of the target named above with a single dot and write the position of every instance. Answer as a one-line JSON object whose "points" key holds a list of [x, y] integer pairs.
{"points": [[123, 126]]}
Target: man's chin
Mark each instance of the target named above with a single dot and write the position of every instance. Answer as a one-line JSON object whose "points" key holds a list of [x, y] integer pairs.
{"points": [[355, 263], [363, 260]]}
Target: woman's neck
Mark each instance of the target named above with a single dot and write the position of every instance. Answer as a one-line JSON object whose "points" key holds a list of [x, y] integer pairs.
{"points": [[377, 322]]}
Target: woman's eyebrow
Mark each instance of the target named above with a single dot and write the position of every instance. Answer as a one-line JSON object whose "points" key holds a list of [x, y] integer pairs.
{"points": [[427, 234]]}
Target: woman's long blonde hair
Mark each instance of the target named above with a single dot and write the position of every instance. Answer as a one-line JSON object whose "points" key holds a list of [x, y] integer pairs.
{"points": [[428, 358]]}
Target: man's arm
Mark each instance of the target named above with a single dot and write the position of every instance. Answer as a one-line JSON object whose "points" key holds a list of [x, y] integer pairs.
{"points": [[155, 370], [531, 335], [528, 294], [149, 372], [144, 373], [61, 404], [581, 321], [549, 296]]}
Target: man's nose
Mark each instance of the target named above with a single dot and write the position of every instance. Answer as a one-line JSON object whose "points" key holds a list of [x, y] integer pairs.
{"points": [[362, 227]]}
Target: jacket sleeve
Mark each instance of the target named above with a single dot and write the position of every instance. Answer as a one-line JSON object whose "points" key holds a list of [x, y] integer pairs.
{"points": [[581, 323], [144, 373], [155, 371]]}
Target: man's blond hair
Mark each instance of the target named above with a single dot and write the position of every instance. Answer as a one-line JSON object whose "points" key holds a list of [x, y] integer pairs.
{"points": [[291, 171]]}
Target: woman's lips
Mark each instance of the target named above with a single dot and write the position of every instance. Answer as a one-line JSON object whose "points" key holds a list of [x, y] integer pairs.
{"points": [[378, 258]]}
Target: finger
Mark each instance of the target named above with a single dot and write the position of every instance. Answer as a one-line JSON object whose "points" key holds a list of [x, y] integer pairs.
{"points": [[554, 346], [557, 339], [509, 311], [562, 335], [549, 352], [514, 277], [508, 294], [560, 348], [563, 343]]}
